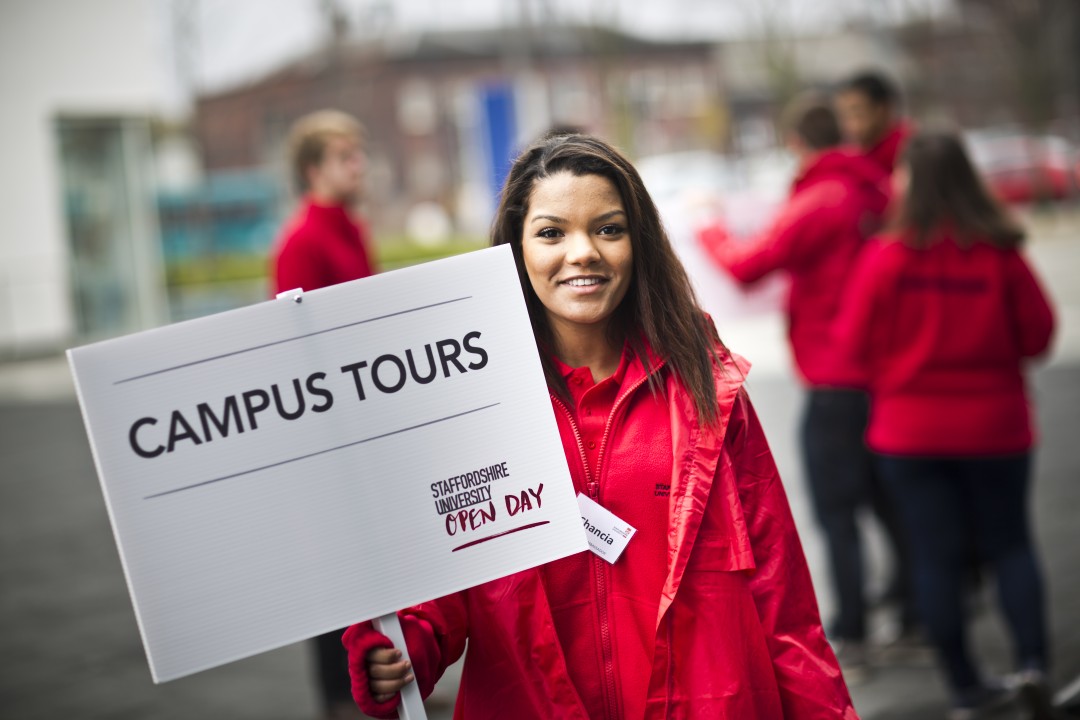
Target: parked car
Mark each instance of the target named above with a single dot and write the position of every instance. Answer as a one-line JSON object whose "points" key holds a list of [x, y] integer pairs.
{"points": [[1024, 168]]}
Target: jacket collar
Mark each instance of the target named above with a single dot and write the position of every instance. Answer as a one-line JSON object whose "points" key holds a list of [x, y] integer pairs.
{"points": [[887, 149], [625, 361]]}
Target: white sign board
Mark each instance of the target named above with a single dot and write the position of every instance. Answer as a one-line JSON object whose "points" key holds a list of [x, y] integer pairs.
{"points": [[285, 469]]}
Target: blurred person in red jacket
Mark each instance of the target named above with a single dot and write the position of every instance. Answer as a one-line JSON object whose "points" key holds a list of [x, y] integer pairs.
{"points": [[868, 107], [837, 201], [710, 611], [943, 313], [322, 244]]}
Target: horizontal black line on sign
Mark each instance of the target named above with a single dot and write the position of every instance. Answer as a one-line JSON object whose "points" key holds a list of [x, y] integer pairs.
{"points": [[499, 535], [318, 452], [287, 340]]}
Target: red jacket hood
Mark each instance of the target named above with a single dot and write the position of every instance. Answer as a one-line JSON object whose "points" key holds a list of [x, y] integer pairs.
{"points": [[837, 200], [855, 170]]}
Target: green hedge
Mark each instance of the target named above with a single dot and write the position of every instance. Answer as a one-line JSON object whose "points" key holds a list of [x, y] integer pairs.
{"points": [[390, 254], [402, 253]]}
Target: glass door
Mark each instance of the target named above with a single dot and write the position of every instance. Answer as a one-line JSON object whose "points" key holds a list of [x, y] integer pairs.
{"points": [[116, 275]]}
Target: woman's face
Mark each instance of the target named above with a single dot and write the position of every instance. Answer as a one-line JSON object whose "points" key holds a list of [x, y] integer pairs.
{"points": [[576, 247]]}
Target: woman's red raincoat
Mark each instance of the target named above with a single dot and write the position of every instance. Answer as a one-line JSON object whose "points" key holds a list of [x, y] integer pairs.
{"points": [[738, 633]]}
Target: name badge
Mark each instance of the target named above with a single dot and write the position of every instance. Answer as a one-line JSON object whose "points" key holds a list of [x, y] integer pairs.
{"points": [[608, 535]]}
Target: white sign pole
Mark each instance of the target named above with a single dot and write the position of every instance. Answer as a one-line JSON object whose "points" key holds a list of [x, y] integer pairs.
{"points": [[412, 705]]}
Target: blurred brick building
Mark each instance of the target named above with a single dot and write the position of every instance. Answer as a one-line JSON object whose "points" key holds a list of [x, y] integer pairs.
{"points": [[431, 101]]}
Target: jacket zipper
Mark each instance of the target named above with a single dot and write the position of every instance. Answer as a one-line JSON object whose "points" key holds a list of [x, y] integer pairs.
{"points": [[577, 436], [592, 487], [611, 418]]}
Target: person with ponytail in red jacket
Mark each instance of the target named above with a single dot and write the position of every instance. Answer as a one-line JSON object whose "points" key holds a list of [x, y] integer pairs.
{"points": [[943, 313], [710, 611], [837, 201]]}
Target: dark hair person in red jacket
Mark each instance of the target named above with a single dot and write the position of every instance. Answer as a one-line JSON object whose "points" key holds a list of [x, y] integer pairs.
{"points": [[943, 312], [710, 611], [868, 107], [322, 244], [837, 201]]}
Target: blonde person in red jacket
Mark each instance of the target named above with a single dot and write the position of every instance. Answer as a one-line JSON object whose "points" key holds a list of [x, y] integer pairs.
{"points": [[710, 611], [323, 244], [943, 312], [837, 201]]}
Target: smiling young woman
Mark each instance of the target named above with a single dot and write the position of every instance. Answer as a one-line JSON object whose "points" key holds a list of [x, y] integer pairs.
{"points": [[658, 308], [709, 611], [579, 258]]}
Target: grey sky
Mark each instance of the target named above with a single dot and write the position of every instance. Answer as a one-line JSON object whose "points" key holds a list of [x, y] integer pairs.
{"points": [[230, 41]]}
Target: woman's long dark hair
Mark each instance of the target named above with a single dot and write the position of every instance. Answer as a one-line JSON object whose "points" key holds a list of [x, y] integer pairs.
{"points": [[660, 305], [946, 193]]}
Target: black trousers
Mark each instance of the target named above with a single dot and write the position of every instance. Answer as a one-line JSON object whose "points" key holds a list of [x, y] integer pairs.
{"points": [[843, 478], [332, 668], [943, 501]]}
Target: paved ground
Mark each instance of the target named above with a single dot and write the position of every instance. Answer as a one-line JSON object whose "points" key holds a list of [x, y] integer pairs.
{"points": [[910, 689], [68, 641], [69, 645]]}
